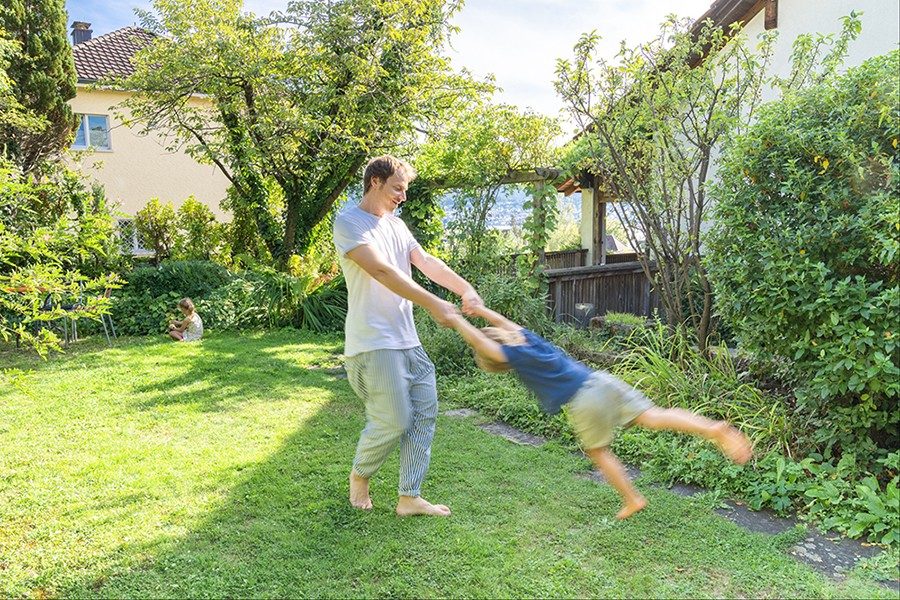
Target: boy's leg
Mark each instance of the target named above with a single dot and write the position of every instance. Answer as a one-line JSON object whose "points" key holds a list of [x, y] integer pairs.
{"points": [[415, 444], [378, 377], [617, 477], [731, 442], [176, 335], [594, 414]]}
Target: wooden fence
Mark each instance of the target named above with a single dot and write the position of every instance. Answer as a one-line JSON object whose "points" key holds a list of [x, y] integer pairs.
{"points": [[618, 287]]}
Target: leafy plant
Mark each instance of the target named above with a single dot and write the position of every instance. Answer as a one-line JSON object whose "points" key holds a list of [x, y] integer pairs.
{"points": [[654, 118], [157, 228], [804, 251], [200, 235]]}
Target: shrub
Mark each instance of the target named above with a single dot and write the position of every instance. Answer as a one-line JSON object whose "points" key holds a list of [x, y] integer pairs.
{"points": [[157, 228], [200, 235], [804, 248], [149, 299]]}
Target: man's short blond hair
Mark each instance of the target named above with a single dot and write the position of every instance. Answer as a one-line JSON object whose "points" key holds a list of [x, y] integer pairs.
{"points": [[383, 167]]}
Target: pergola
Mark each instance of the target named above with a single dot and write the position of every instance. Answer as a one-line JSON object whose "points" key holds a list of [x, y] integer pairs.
{"points": [[593, 205]]}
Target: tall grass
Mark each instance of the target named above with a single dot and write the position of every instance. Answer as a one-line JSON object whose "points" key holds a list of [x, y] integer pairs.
{"points": [[672, 372]]}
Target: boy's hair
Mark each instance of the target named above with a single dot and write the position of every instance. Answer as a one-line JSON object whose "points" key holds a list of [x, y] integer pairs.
{"points": [[186, 304], [383, 167], [504, 337]]}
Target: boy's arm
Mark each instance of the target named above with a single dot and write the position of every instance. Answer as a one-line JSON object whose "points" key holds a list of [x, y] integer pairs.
{"points": [[479, 342], [494, 318]]}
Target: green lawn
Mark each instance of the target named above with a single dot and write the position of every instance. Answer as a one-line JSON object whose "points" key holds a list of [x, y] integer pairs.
{"points": [[219, 469]]}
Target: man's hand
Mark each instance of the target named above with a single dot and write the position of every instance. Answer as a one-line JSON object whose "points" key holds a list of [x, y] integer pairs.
{"points": [[471, 302], [444, 313]]}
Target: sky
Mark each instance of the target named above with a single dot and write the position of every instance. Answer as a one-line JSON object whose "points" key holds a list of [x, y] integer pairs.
{"points": [[518, 41]]}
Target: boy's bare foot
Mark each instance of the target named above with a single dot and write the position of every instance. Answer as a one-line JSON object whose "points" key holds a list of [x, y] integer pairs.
{"points": [[734, 444], [408, 506], [359, 492], [631, 506]]}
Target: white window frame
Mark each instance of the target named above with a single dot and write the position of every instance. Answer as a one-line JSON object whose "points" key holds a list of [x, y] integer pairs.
{"points": [[136, 248], [83, 120]]}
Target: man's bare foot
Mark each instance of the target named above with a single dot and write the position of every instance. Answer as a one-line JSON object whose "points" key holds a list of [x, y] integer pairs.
{"points": [[631, 506], [408, 506], [359, 492], [733, 444]]}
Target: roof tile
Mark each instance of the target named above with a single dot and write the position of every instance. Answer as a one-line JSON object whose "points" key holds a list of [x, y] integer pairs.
{"points": [[110, 54]]}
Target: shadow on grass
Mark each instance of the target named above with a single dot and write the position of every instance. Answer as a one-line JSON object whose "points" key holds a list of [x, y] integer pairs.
{"points": [[222, 371]]}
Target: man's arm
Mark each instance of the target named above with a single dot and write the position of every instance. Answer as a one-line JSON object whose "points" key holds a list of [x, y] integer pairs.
{"points": [[372, 262], [437, 270], [479, 342]]}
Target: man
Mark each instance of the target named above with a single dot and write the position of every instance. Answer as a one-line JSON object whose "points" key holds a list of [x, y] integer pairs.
{"points": [[385, 362]]}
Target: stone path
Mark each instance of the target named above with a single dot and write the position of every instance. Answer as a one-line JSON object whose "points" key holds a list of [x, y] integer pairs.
{"points": [[831, 555]]}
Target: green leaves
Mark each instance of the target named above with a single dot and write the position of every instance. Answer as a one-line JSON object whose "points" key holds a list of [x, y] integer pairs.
{"points": [[299, 99], [815, 279]]}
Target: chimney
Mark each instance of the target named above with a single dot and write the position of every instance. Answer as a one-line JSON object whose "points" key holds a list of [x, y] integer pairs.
{"points": [[81, 32]]}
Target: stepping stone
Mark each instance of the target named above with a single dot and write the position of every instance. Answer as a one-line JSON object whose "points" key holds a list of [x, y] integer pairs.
{"points": [[513, 434], [758, 521], [833, 557], [460, 413]]}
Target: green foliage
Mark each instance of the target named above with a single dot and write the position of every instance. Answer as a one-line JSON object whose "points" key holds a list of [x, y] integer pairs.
{"points": [[149, 300], [422, 213], [654, 119], [537, 229], [255, 298], [157, 228], [804, 251], [471, 154], [57, 247], [200, 234], [43, 76], [625, 319], [297, 100], [663, 364]]}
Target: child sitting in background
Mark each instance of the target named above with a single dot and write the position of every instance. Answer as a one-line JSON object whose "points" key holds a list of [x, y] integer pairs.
{"points": [[598, 402], [189, 329]]}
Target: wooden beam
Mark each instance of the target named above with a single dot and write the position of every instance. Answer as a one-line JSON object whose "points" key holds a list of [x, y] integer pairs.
{"points": [[542, 254], [771, 14], [531, 176]]}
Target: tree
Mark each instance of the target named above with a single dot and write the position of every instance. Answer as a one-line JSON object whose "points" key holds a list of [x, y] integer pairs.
{"points": [[297, 101], [653, 120], [43, 76]]}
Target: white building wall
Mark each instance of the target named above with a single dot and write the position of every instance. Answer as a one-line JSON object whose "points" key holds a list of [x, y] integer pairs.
{"points": [[880, 29]]}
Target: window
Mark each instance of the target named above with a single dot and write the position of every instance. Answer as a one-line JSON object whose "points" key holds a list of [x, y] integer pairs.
{"points": [[130, 240], [92, 132]]}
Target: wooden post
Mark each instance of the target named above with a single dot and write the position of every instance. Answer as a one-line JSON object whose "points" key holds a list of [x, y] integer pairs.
{"points": [[598, 225], [771, 21], [601, 219], [539, 189]]}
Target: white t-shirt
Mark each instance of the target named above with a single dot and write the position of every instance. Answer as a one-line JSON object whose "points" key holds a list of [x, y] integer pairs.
{"points": [[377, 318]]}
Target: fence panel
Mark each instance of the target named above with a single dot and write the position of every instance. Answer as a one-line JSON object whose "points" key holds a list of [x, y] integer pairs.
{"points": [[620, 287]]}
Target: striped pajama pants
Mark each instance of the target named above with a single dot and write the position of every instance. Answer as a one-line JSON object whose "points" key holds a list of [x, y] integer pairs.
{"points": [[400, 392]]}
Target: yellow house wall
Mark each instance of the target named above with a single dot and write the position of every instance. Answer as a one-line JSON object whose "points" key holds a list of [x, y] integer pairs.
{"points": [[138, 168]]}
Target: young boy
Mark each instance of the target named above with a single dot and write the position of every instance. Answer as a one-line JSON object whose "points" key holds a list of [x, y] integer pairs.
{"points": [[598, 402]]}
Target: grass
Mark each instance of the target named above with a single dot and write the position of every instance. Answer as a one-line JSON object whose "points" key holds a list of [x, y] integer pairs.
{"points": [[219, 469]]}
